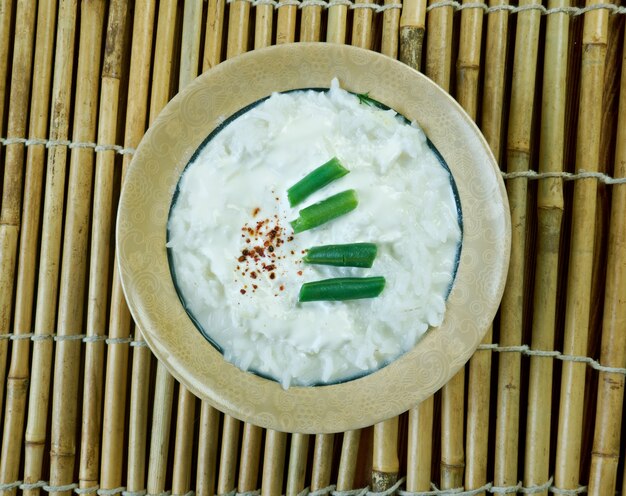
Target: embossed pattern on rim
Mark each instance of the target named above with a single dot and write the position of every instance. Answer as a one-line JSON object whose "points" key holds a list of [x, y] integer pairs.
{"points": [[150, 184]]}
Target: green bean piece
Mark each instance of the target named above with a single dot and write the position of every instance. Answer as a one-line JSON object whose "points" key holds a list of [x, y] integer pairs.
{"points": [[326, 210], [342, 288], [315, 180], [348, 255]]}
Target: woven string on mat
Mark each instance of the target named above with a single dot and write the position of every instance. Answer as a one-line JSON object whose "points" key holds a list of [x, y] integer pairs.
{"points": [[530, 174], [330, 490]]}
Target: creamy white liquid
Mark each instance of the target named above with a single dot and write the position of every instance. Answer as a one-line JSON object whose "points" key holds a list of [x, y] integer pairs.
{"points": [[406, 206]]}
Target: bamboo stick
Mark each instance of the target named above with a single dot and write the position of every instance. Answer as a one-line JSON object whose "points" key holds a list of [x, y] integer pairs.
{"points": [[6, 9], [138, 409], [249, 461], [608, 131], [214, 34], [286, 24], [468, 63], [336, 25], [412, 30], [17, 380], [348, 460], [274, 463], [52, 221], [100, 242], [119, 320], [468, 68], [183, 447], [362, 26], [310, 22], [419, 446], [207, 450], [189, 63], [160, 431], [228, 455], [263, 25], [577, 311], [322, 461], [438, 46], [390, 35], [238, 28], [190, 45], [163, 55], [114, 412], [452, 464], [13, 166], [75, 239], [495, 68], [363, 475], [478, 398], [296, 471], [164, 386], [606, 442], [385, 463], [512, 306], [536, 464]]}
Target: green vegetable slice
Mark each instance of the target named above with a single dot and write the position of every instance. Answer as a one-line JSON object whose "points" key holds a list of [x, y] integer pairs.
{"points": [[315, 180], [347, 255], [342, 288], [326, 210]]}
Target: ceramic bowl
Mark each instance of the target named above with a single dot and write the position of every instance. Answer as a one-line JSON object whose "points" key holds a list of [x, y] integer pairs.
{"points": [[147, 194]]}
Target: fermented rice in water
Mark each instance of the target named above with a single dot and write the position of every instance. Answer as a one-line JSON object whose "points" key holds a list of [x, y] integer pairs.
{"points": [[238, 264]]}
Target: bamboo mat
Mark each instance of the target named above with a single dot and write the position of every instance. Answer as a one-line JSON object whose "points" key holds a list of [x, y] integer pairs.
{"points": [[87, 409]]}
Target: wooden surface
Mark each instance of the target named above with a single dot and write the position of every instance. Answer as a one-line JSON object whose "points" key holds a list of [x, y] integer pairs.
{"points": [[84, 405]]}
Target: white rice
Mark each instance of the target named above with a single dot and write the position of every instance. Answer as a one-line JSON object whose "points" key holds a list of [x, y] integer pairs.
{"points": [[406, 206]]}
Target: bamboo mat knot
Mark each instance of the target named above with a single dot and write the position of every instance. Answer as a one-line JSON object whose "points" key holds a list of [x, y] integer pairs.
{"points": [[142, 492], [10, 485], [234, 492], [320, 492], [572, 492], [108, 492], [61, 488], [100, 492], [352, 492]]}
